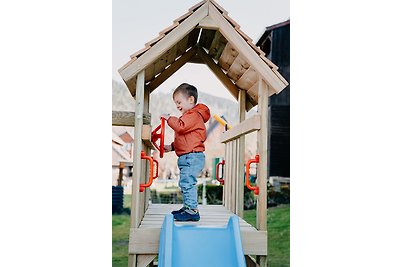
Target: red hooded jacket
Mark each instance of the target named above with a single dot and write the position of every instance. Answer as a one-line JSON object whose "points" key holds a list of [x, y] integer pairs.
{"points": [[190, 130]]}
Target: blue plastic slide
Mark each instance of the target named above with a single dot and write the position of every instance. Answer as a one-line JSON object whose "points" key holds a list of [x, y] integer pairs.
{"points": [[191, 245]]}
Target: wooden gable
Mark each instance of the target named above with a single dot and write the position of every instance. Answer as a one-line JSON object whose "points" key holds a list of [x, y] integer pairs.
{"points": [[207, 35]]}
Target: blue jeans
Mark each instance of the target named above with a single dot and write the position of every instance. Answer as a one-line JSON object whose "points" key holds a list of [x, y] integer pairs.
{"points": [[190, 165]]}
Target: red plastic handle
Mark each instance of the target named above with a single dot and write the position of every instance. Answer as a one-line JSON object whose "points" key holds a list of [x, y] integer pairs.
{"points": [[156, 162], [255, 188], [155, 136], [217, 172], [143, 186]]}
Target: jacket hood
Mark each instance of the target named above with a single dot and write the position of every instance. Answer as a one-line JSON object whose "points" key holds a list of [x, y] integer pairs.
{"points": [[203, 110]]}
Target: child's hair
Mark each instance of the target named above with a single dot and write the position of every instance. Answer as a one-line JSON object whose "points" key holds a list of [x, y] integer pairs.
{"points": [[188, 90]]}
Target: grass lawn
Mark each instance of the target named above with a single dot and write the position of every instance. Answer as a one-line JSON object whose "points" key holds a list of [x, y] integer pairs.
{"points": [[278, 235]]}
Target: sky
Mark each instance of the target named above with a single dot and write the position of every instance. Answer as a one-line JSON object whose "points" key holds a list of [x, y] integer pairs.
{"points": [[134, 23]]}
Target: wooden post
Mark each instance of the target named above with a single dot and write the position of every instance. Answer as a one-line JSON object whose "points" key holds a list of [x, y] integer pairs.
{"points": [[234, 175], [242, 143], [262, 173], [121, 173], [137, 164], [147, 150], [262, 140], [227, 176]]}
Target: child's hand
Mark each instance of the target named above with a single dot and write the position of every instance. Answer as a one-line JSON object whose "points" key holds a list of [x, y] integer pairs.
{"points": [[165, 116], [167, 148]]}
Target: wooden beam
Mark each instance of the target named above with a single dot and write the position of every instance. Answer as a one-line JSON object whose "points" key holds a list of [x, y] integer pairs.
{"points": [[146, 241], [250, 125], [250, 262], [208, 23], [219, 73], [241, 152], [131, 69], [137, 169], [145, 260], [127, 118], [245, 50], [174, 67], [196, 59], [238, 68], [217, 46], [146, 136], [262, 143]]}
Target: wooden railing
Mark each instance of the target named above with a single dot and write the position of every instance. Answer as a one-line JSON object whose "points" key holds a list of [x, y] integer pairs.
{"points": [[234, 140]]}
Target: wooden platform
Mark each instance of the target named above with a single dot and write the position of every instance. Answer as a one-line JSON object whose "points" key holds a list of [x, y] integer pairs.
{"points": [[145, 239]]}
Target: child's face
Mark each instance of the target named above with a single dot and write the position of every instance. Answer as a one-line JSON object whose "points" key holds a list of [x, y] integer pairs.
{"points": [[183, 103]]}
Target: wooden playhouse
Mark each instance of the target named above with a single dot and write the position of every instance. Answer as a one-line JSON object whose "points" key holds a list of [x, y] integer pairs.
{"points": [[204, 35]]}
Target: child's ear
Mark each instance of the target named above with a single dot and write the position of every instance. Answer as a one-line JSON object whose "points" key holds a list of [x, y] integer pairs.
{"points": [[191, 99]]}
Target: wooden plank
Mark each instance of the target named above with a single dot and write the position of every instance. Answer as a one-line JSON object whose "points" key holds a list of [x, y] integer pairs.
{"points": [[148, 145], [241, 152], [145, 259], [238, 176], [143, 179], [248, 79], [233, 176], [231, 21], [196, 6], [228, 56], [169, 29], [262, 138], [175, 66], [238, 68], [137, 54], [208, 23], [146, 241], [132, 260], [280, 76], [245, 36], [183, 17], [149, 75], [127, 118], [133, 68], [137, 171], [228, 167], [219, 73], [206, 38], [166, 59], [217, 46], [155, 40], [256, 49], [193, 36], [246, 51], [166, 208], [269, 62], [131, 85], [220, 8], [203, 222], [253, 92], [250, 262], [196, 59], [146, 136], [245, 127], [182, 46]]}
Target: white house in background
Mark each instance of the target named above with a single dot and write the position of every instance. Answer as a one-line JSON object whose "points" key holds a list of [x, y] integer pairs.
{"points": [[122, 149]]}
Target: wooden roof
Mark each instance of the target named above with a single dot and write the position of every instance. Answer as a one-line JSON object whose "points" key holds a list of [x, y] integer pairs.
{"points": [[205, 34]]}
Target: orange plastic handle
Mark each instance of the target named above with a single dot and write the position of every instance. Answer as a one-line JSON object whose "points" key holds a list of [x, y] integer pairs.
{"points": [[217, 172], [155, 136], [254, 188], [143, 186], [156, 162]]}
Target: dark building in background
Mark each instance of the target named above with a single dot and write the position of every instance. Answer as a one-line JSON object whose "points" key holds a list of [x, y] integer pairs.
{"points": [[275, 42]]}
